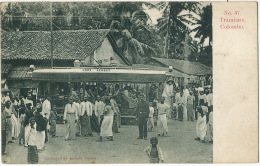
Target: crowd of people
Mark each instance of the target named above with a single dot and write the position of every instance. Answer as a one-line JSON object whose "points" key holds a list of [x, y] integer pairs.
{"points": [[84, 114], [187, 104], [32, 125]]}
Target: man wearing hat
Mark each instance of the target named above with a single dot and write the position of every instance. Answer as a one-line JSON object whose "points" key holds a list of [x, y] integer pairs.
{"points": [[168, 93], [142, 114]]}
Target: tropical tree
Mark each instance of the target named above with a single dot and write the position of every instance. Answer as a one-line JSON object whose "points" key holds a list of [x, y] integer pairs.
{"points": [[134, 37], [203, 25], [174, 25], [203, 31]]}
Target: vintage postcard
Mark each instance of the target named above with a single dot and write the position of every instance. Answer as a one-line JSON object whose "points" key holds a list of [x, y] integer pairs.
{"points": [[129, 82]]}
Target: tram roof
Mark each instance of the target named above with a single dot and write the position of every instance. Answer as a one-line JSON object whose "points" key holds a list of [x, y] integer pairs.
{"points": [[99, 75]]}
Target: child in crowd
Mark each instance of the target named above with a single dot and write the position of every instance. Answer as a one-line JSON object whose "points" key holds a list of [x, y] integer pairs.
{"points": [[150, 119], [22, 121], [33, 157], [154, 152]]}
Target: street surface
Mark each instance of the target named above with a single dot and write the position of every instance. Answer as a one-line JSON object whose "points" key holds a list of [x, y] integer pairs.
{"points": [[179, 147]]}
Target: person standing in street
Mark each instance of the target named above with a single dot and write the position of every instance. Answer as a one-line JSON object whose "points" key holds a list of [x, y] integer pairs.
{"points": [[168, 94], [70, 118], [85, 120], [190, 102], [94, 118], [154, 152], [15, 124], [4, 128], [52, 120], [8, 112], [32, 157], [180, 107], [142, 114], [46, 110], [21, 121], [99, 108], [28, 115], [116, 113], [41, 123], [78, 125], [162, 118], [201, 125], [107, 122], [150, 119], [210, 126]]}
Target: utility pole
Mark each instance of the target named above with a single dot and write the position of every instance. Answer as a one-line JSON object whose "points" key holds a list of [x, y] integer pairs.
{"points": [[166, 52], [51, 37]]}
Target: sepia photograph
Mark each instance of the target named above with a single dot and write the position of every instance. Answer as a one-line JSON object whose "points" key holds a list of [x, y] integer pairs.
{"points": [[106, 82]]}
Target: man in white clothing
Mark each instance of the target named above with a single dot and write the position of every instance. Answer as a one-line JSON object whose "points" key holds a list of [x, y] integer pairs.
{"points": [[71, 118], [46, 107], [46, 110], [162, 120], [78, 126], [168, 93], [99, 108]]}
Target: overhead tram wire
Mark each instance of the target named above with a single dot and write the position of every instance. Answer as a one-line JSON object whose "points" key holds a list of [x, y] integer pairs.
{"points": [[72, 40], [96, 17]]}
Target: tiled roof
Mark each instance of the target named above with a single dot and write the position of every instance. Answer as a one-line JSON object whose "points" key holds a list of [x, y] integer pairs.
{"points": [[187, 67], [22, 72], [5, 68], [36, 45]]}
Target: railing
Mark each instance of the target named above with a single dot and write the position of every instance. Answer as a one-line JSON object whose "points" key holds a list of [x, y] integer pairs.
{"points": [[95, 67]]}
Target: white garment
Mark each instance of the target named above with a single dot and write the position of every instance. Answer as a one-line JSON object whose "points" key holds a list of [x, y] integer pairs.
{"points": [[88, 108], [185, 111], [70, 108], [167, 91], [46, 108], [210, 99], [32, 135], [40, 139], [99, 108], [26, 134], [78, 107], [162, 124], [15, 129], [167, 94], [106, 126], [151, 109], [201, 127]]}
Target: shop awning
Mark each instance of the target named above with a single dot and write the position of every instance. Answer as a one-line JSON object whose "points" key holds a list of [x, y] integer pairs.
{"points": [[98, 75]]}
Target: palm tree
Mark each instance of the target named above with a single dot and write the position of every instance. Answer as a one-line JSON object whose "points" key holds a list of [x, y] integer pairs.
{"points": [[133, 35], [203, 28], [203, 31], [173, 26]]}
